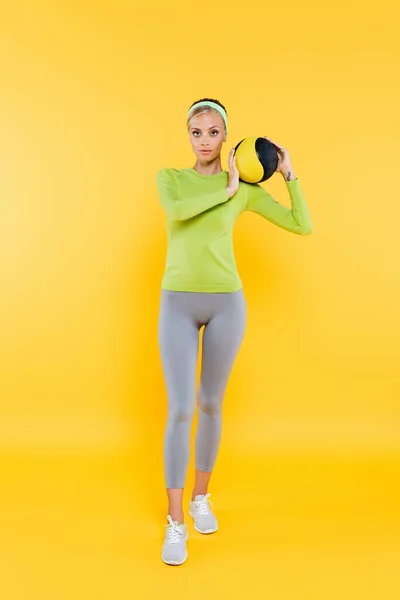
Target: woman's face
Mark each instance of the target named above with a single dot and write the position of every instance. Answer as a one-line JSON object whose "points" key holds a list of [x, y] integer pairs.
{"points": [[207, 133]]}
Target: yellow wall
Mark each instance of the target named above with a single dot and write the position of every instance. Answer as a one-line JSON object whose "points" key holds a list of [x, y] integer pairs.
{"points": [[93, 102]]}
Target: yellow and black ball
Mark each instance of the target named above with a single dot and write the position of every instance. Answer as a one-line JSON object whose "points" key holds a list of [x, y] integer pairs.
{"points": [[256, 159]]}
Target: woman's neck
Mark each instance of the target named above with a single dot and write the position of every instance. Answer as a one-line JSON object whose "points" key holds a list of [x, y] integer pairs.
{"points": [[207, 167]]}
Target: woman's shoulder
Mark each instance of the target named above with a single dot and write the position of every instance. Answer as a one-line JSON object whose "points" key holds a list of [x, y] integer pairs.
{"points": [[168, 173]]}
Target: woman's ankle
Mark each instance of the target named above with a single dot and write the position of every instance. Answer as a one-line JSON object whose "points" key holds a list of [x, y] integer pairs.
{"points": [[199, 492], [201, 483], [175, 506], [177, 515]]}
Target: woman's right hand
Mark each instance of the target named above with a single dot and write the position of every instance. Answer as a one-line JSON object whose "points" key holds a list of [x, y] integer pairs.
{"points": [[233, 183]]}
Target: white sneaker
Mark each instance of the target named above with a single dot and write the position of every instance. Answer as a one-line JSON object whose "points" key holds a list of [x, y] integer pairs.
{"points": [[174, 549], [204, 519]]}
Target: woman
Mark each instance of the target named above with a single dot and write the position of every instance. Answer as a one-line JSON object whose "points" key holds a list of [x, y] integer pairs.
{"points": [[201, 287]]}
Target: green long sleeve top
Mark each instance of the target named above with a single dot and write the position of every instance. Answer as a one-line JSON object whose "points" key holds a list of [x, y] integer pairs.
{"points": [[200, 218]]}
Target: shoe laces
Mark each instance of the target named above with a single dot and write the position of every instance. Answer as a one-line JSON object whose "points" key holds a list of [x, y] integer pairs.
{"points": [[174, 531], [203, 507]]}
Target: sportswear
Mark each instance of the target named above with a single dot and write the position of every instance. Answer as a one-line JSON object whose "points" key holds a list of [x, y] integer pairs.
{"points": [[200, 221], [204, 519], [174, 549], [182, 314], [215, 106]]}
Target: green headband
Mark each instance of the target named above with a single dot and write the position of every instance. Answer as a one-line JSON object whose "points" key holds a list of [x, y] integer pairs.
{"points": [[213, 105]]}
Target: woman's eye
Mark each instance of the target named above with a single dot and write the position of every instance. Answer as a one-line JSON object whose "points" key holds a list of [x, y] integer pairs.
{"points": [[198, 132]]}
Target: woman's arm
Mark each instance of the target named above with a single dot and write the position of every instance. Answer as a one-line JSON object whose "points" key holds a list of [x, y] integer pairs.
{"points": [[295, 219], [180, 209]]}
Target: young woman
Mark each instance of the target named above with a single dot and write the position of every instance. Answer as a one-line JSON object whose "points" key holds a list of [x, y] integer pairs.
{"points": [[201, 287]]}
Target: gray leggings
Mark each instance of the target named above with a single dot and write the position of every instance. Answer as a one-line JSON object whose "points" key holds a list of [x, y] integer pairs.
{"points": [[182, 314]]}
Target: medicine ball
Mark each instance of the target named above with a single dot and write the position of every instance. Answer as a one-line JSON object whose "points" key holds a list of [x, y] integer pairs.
{"points": [[256, 159]]}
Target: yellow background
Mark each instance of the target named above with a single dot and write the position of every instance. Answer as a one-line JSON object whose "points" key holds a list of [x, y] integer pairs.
{"points": [[93, 102]]}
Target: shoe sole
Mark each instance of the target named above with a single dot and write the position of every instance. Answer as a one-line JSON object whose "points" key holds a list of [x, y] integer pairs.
{"points": [[174, 563], [206, 531]]}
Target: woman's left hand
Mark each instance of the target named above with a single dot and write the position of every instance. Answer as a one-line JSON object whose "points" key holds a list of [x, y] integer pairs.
{"points": [[284, 163]]}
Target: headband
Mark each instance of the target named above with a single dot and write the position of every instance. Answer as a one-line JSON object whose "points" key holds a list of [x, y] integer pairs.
{"points": [[213, 105]]}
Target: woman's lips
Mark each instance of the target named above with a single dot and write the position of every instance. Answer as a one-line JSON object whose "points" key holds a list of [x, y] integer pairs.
{"points": [[205, 151]]}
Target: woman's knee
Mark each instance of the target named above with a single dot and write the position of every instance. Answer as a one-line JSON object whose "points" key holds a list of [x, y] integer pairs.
{"points": [[210, 403], [181, 414]]}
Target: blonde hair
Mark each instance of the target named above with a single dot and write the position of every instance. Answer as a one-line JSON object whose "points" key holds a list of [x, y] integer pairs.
{"points": [[199, 110]]}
